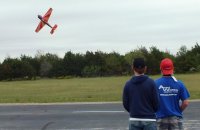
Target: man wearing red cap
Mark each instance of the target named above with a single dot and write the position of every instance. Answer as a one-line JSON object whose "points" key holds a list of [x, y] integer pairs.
{"points": [[173, 98]]}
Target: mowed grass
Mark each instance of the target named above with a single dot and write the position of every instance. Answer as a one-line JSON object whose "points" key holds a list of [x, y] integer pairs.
{"points": [[78, 89], [62, 90], [192, 82]]}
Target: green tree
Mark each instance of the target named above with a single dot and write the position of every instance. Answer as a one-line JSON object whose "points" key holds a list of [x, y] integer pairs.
{"points": [[47, 62], [195, 57], [114, 62], [181, 61], [95, 61], [91, 71], [73, 64], [153, 60], [31, 66]]}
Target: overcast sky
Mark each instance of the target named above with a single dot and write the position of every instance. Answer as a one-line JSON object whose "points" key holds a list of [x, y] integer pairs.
{"points": [[105, 25]]}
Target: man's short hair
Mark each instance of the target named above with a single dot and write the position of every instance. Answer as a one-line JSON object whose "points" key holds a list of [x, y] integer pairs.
{"points": [[139, 65]]}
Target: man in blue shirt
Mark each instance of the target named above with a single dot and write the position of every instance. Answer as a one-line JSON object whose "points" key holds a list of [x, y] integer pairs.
{"points": [[173, 98], [140, 98]]}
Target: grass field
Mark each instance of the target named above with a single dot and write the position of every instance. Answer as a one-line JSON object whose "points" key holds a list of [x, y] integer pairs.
{"points": [[78, 89]]}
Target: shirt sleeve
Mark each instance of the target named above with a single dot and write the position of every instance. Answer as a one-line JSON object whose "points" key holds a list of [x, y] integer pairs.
{"points": [[184, 92], [156, 101], [125, 98]]}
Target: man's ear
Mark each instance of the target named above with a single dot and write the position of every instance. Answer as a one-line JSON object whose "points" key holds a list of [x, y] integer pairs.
{"points": [[132, 69], [145, 69]]}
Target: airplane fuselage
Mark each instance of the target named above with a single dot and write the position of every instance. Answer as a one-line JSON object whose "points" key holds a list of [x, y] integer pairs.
{"points": [[40, 17]]}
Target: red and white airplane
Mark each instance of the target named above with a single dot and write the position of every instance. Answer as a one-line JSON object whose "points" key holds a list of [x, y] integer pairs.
{"points": [[44, 20]]}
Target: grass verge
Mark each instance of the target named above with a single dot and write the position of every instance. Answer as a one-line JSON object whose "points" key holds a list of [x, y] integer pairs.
{"points": [[78, 89]]}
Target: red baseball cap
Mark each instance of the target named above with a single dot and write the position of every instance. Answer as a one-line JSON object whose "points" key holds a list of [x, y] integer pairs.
{"points": [[167, 66]]}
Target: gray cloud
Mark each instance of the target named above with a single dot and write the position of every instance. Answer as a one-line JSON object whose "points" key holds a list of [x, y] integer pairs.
{"points": [[106, 25]]}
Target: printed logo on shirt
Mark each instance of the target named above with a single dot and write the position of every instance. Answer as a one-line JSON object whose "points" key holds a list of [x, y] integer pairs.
{"points": [[167, 91]]}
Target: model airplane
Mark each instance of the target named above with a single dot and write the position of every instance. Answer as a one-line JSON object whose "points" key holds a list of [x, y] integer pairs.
{"points": [[44, 20]]}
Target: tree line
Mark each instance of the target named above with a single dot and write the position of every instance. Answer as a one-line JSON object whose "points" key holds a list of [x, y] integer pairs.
{"points": [[95, 64]]}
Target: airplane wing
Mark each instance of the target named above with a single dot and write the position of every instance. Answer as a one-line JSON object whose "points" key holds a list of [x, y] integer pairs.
{"points": [[40, 26], [45, 18], [47, 15]]}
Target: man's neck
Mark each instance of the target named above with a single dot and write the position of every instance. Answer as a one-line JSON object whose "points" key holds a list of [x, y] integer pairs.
{"points": [[136, 74], [167, 75]]}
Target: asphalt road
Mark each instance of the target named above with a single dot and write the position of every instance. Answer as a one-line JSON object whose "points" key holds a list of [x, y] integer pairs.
{"points": [[88, 116]]}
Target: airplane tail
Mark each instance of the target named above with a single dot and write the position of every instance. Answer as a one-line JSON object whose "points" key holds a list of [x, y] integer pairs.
{"points": [[53, 28]]}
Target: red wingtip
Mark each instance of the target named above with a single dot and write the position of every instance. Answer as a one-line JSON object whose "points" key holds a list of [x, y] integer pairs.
{"points": [[53, 28]]}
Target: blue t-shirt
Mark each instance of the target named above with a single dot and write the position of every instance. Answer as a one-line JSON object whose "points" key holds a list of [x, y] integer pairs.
{"points": [[171, 92]]}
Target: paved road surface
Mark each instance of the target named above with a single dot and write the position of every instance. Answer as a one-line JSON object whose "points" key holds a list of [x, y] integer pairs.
{"points": [[91, 116]]}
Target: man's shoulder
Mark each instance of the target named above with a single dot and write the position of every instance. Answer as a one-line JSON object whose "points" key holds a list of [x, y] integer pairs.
{"points": [[159, 79], [128, 82], [150, 81]]}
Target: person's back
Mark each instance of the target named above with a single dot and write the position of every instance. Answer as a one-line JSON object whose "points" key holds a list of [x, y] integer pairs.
{"points": [[171, 92], [140, 99], [140, 93]]}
